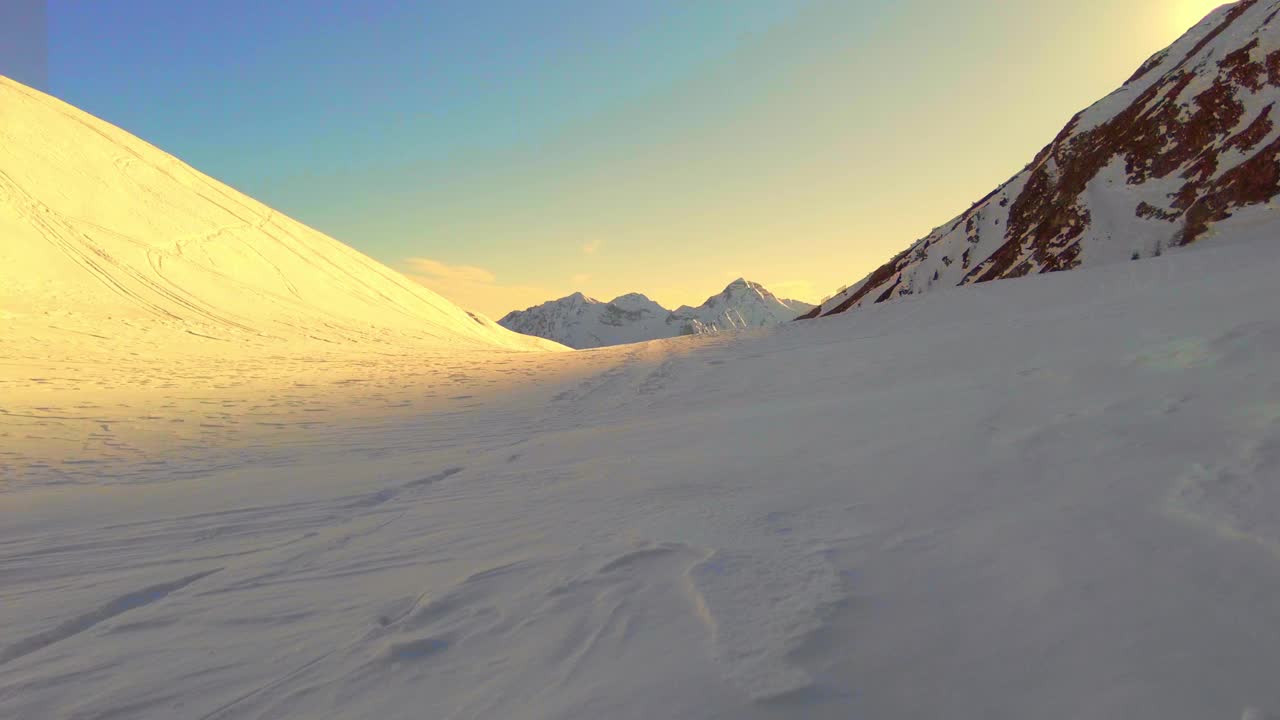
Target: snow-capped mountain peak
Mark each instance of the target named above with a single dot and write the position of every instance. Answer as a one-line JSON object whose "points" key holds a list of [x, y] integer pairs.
{"points": [[583, 322], [635, 301]]}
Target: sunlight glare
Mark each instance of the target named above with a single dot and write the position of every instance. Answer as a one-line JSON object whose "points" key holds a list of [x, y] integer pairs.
{"points": [[1185, 14]]}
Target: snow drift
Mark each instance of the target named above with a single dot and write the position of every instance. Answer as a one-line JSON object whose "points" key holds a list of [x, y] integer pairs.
{"points": [[1046, 498], [1049, 498]]}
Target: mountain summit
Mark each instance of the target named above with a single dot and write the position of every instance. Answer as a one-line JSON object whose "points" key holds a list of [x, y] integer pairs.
{"points": [[582, 322], [1189, 141]]}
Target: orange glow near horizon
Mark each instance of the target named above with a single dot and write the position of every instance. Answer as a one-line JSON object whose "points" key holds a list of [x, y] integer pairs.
{"points": [[803, 162]]}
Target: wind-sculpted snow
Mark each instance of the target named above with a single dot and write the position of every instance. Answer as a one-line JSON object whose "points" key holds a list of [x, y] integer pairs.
{"points": [[1184, 144], [582, 322], [1043, 498], [109, 243], [320, 496]]}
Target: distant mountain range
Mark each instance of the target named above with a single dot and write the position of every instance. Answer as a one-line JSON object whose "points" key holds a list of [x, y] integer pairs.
{"points": [[1190, 140], [582, 322]]}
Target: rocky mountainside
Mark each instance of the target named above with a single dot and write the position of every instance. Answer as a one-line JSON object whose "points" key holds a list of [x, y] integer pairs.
{"points": [[1188, 141], [582, 322]]}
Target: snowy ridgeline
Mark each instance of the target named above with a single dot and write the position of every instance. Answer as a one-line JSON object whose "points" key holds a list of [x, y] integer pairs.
{"points": [[582, 322], [1041, 498], [108, 243]]}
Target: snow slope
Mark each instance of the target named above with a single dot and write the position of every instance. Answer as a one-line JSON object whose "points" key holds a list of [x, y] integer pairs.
{"points": [[582, 322], [110, 243], [1184, 144], [1042, 498]]}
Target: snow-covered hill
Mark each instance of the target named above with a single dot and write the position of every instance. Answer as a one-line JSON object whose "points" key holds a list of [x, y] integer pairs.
{"points": [[1191, 138], [1048, 498], [1044, 499], [582, 322], [109, 245]]}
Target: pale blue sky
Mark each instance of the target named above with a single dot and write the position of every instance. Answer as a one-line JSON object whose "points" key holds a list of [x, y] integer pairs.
{"points": [[529, 148]]}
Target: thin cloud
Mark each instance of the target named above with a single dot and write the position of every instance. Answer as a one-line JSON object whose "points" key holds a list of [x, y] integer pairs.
{"points": [[591, 248], [453, 273], [474, 288]]}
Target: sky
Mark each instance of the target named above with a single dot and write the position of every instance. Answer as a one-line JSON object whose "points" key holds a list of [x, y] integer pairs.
{"points": [[507, 152]]}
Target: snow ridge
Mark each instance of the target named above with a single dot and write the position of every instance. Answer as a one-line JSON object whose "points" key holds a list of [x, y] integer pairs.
{"points": [[108, 238], [582, 322]]}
